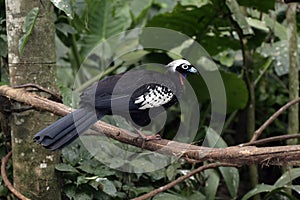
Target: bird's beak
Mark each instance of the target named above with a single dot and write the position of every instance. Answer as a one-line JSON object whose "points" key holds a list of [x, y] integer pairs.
{"points": [[193, 70]]}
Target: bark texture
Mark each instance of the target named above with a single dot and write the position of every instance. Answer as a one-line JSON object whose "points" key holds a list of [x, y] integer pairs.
{"points": [[293, 126], [33, 166]]}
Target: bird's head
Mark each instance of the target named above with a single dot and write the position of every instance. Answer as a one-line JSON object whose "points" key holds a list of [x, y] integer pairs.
{"points": [[183, 67]]}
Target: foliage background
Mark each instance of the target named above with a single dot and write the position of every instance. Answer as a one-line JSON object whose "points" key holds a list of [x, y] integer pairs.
{"points": [[217, 25]]}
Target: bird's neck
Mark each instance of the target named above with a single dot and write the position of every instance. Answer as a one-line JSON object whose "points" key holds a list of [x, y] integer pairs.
{"points": [[181, 77]]}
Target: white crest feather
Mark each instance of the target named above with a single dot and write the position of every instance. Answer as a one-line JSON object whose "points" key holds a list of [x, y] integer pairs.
{"points": [[172, 65]]}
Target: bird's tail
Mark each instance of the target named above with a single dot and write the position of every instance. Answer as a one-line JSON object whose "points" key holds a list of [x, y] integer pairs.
{"points": [[65, 130]]}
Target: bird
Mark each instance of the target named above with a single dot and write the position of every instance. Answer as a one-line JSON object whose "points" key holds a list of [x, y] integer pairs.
{"points": [[132, 95]]}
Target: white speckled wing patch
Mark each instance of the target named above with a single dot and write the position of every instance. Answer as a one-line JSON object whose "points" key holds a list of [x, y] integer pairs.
{"points": [[155, 96]]}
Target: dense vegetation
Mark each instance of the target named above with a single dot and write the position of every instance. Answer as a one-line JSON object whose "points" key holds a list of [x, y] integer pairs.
{"points": [[227, 30]]}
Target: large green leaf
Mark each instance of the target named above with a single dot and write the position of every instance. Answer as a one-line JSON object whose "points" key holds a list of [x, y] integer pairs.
{"points": [[214, 140], [197, 3], [105, 19], [168, 196], [258, 189], [239, 17], [70, 190], [108, 187], [211, 183], [279, 30], [230, 174], [189, 20], [28, 28], [65, 168], [205, 23], [232, 179], [236, 90], [139, 9], [278, 51], [65, 6], [288, 177], [296, 188]]}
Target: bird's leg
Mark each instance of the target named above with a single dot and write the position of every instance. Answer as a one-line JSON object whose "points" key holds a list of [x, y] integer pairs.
{"points": [[146, 138]]}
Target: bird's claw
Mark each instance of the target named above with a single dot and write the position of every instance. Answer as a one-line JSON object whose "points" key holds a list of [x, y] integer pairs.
{"points": [[152, 137], [146, 138]]}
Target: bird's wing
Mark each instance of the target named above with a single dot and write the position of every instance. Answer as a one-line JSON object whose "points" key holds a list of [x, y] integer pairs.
{"points": [[152, 96], [130, 90]]}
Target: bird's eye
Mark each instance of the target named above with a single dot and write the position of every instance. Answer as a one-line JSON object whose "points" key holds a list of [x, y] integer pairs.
{"points": [[185, 67]]}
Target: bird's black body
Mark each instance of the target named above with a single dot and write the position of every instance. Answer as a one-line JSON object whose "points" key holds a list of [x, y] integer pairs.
{"points": [[130, 95]]}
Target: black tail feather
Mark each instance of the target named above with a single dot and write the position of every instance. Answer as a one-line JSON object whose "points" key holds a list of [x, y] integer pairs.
{"points": [[65, 130]]}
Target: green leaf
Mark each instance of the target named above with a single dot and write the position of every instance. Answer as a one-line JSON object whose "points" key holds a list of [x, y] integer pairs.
{"points": [[211, 184], [83, 196], [258, 24], [142, 190], [258, 189], [106, 18], [197, 3], [94, 167], [167, 196], [226, 59], [287, 177], [65, 168], [164, 5], [65, 6], [82, 180], [139, 8], [232, 179], [279, 30], [108, 187], [197, 196], [143, 165], [70, 190], [171, 172], [238, 16], [28, 28], [214, 139], [236, 90], [65, 28], [197, 18], [278, 51], [296, 188]]}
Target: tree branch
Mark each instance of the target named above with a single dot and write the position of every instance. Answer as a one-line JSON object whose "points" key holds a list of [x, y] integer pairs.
{"points": [[258, 132], [271, 139], [246, 155], [6, 181], [182, 178]]}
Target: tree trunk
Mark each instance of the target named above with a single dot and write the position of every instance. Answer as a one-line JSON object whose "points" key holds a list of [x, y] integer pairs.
{"points": [[33, 167], [293, 116], [293, 126]]}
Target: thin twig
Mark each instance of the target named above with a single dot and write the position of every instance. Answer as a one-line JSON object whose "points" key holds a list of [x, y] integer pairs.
{"points": [[182, 178], [270, 139], [258, 132], [6, 181]]}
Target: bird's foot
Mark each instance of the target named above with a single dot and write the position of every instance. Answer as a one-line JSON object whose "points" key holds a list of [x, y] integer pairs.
{"points": [[150, 137], [146, 138]]}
